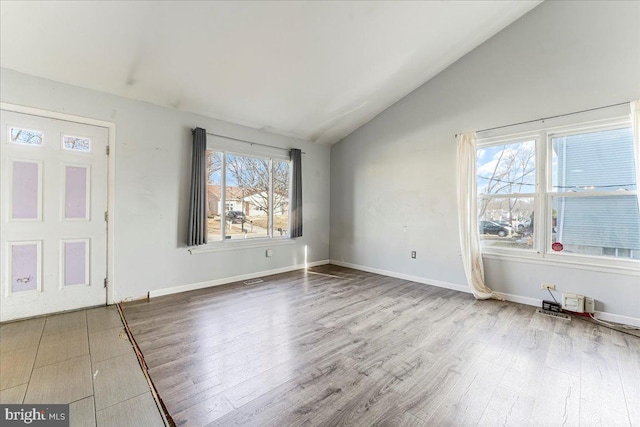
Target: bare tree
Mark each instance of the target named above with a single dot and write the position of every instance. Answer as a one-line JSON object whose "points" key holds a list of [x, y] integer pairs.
{"points": [[511, 174], [280, 185], [252, 176], [214, 164]]}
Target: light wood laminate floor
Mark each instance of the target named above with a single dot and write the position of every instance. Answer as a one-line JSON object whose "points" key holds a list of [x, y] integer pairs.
{"points": [[83, 358], [335, 346]]}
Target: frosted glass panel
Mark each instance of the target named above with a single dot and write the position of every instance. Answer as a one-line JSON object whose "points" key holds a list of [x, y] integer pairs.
{"points": [[24, 267], [75, 192], [26, 136], [75, 263], [25, 190], [76, 143]]}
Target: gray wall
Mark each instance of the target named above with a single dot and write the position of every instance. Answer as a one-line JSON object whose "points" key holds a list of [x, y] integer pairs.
{"points": [[153, 158], [393, 180]]}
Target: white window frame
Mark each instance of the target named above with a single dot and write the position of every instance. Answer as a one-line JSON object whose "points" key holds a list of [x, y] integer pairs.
{"points": [[227, 146], [542, 252]]}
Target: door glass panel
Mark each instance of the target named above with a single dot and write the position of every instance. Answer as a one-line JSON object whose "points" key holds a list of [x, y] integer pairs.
{"points": [[25, 190], [75, 192], [26, 136], [75, 263], [24, 267], [76, 143]]}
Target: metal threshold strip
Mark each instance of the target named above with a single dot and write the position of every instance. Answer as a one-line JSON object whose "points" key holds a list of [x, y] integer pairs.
{"points": [[166, 417]]}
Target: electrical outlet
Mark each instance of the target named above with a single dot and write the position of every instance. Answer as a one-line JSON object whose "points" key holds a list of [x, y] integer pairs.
{"points": [[549, 286], [413, 254], [269, 253]]}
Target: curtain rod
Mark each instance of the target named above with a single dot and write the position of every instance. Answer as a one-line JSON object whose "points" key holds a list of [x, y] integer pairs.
{"points": [[550, 117], [248, 142]]}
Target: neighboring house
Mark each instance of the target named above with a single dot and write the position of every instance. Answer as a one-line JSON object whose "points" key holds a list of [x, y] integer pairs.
{"points": [[606, 225], [213, 200], [234, 197], [256, 203], [250, 203]]}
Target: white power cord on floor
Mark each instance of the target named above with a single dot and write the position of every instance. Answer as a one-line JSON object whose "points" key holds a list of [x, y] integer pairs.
{"points": [[634, 328]]}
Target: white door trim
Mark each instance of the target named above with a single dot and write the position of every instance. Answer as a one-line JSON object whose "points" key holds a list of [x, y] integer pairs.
{"points": [[111, 128]]}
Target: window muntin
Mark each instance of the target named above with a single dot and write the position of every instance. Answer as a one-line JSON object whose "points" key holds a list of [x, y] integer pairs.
{"points": [[254, 192], [585, 197], [506, 184]]}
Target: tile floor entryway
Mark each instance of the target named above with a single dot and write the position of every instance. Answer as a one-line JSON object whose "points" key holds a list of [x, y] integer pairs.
{"points": [[83, 358]]}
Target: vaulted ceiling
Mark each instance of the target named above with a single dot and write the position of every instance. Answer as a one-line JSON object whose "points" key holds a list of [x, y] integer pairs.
{"points": [[313, 70]]}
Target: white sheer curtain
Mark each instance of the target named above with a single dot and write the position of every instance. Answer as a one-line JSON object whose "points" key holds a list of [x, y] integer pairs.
{"points": [[468, 217], [635, 124]]}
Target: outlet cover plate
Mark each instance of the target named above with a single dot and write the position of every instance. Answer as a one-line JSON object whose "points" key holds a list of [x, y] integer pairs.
{"points": [[549, 286]]}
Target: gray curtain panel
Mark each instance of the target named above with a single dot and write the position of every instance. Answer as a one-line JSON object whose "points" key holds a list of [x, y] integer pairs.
{"points": [[296, 193], [198, 196]]}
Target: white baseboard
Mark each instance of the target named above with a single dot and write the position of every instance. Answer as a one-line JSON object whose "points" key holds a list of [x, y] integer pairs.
{"points": [[225, 280], [417, 279], [519, 299], [610, 317]]}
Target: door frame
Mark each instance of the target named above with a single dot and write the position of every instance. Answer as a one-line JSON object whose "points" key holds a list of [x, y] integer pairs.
{"points": [[111, 179]]}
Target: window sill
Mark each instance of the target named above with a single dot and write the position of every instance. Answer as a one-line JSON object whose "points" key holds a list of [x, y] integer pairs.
{"points": [[239, 244], [630, 267]]}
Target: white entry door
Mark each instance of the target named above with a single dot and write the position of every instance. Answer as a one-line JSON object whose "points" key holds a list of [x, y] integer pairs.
{"points": [[53, 198]]}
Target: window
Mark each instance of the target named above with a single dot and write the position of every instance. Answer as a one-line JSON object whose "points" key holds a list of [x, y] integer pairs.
{"points": [[25, 136], [560, 193], [506, 176], [593, 213], [76, 143], [254, 192]]}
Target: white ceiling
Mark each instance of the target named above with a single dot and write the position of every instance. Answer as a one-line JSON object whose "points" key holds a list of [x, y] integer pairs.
{"points": [[313, 70]]}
